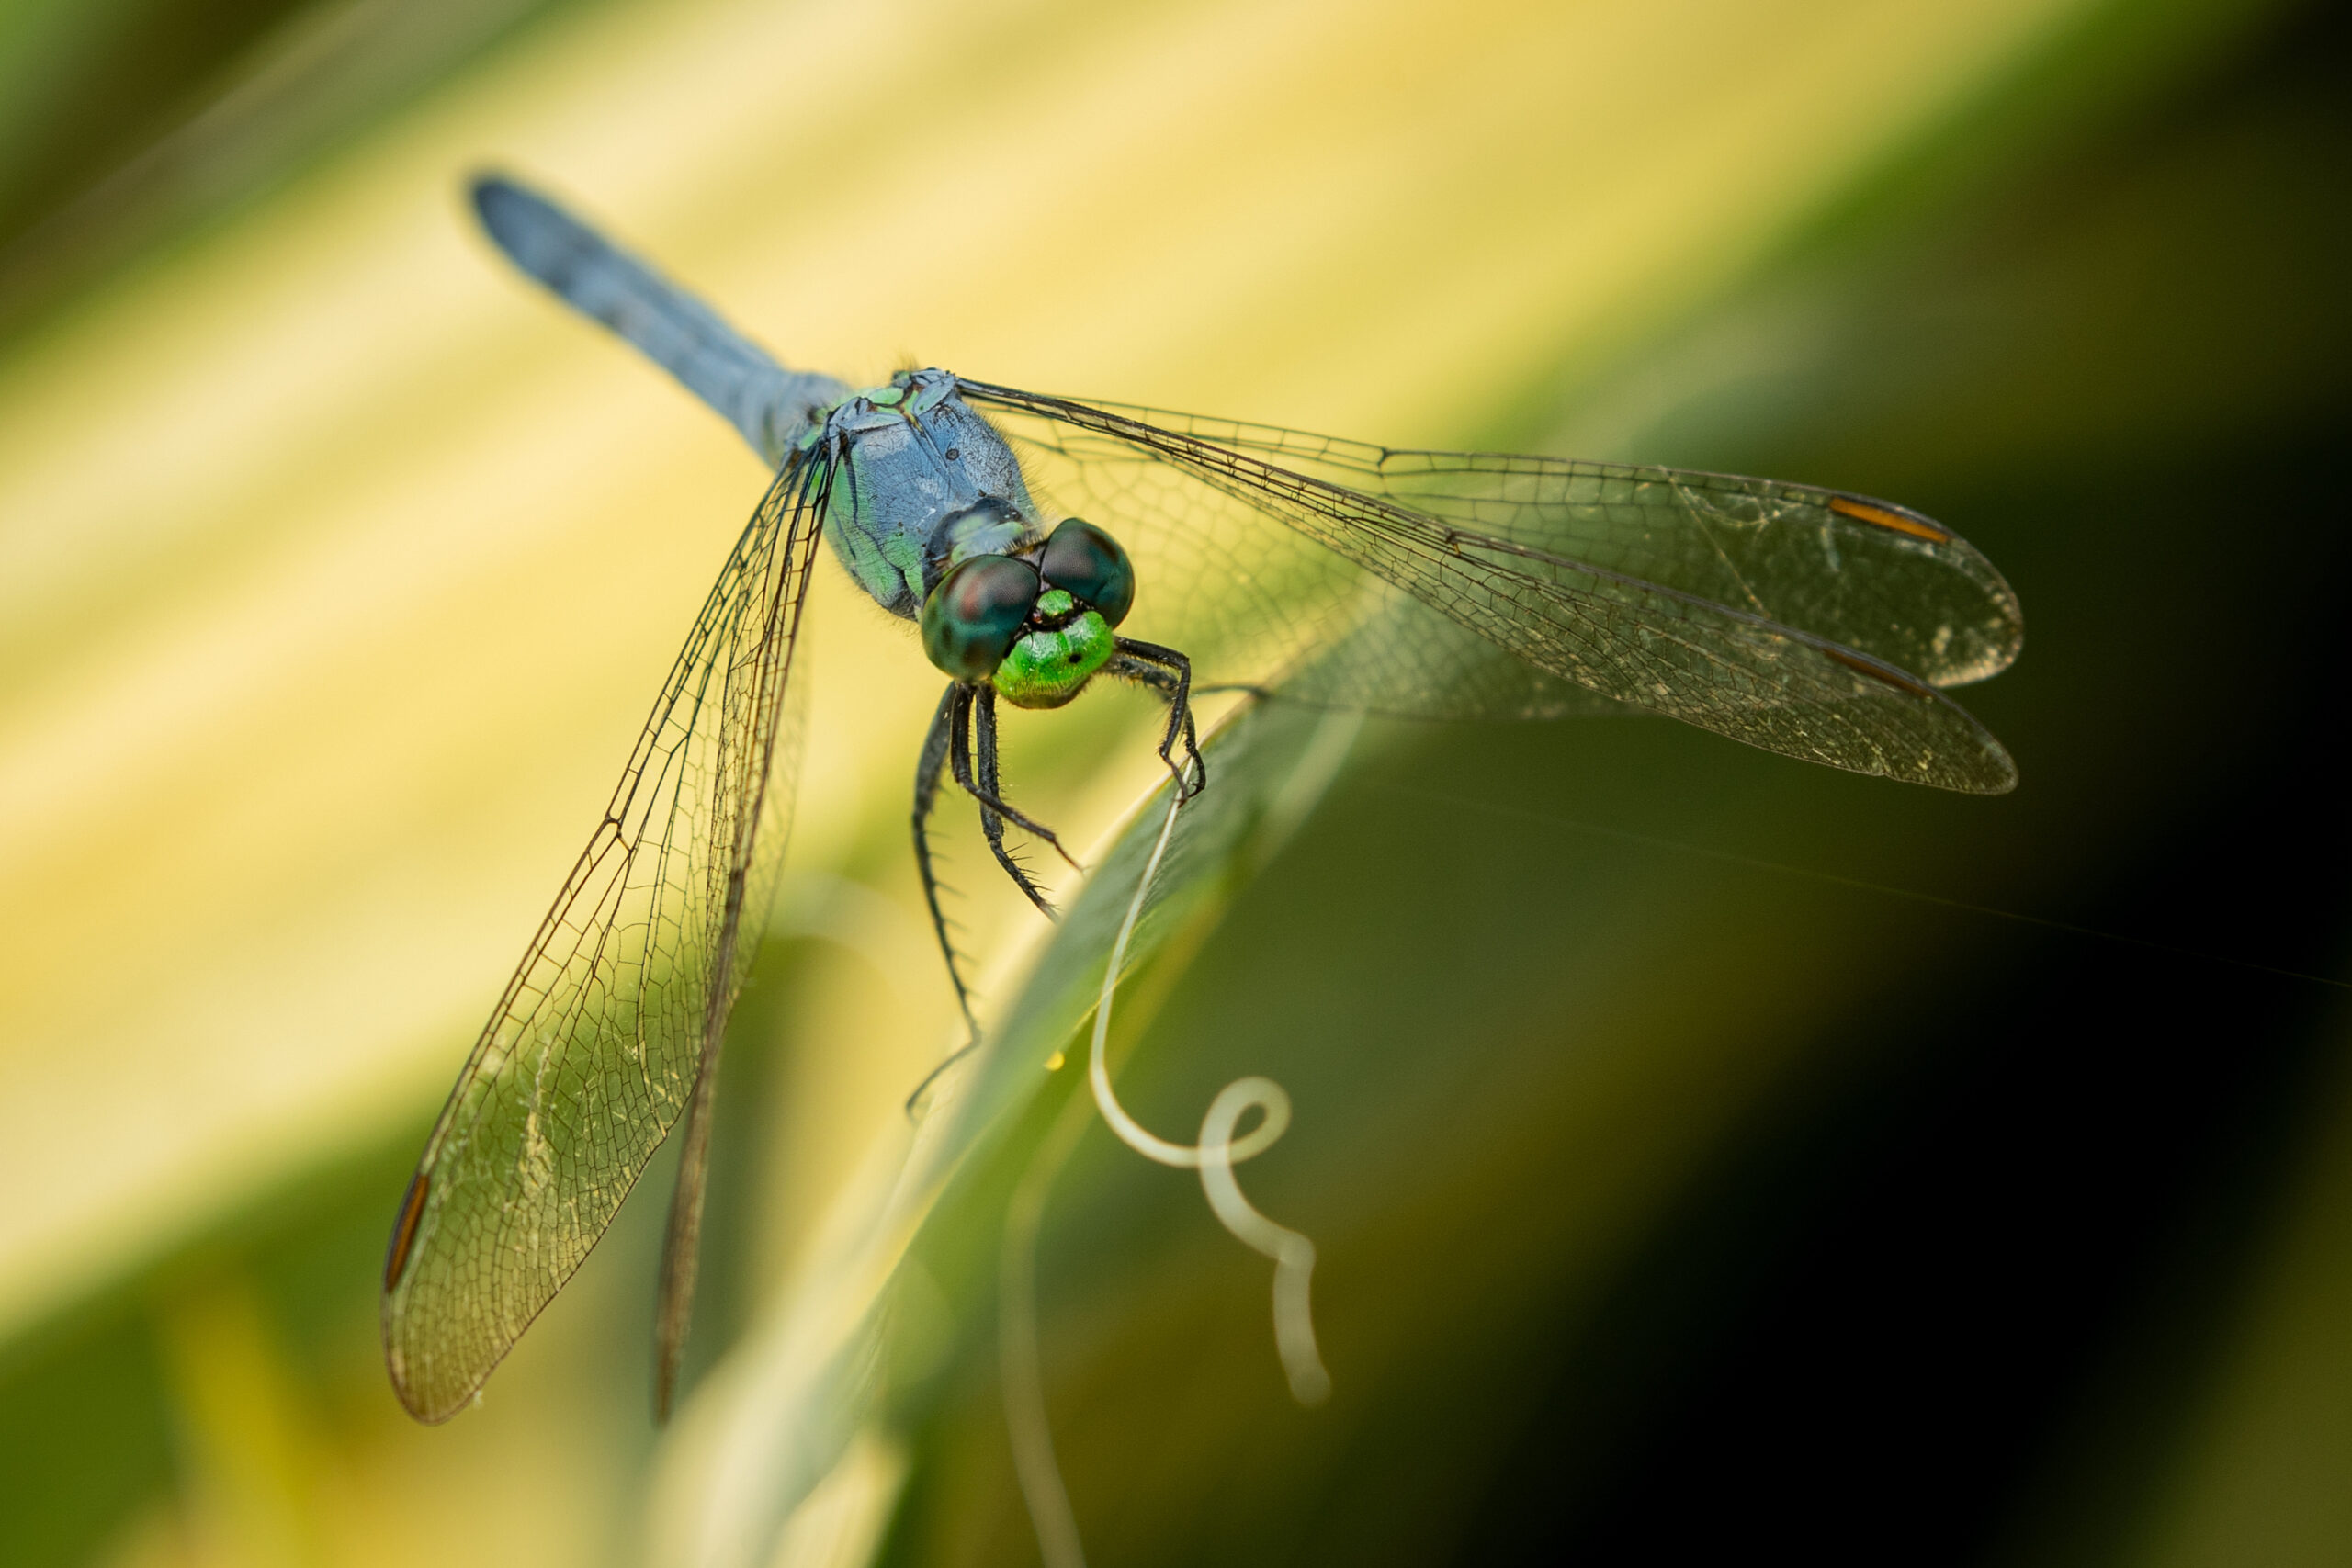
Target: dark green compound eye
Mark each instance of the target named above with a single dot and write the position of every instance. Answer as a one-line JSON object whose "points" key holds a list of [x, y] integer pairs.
{"points": [[970, 619], [1091, 565]]}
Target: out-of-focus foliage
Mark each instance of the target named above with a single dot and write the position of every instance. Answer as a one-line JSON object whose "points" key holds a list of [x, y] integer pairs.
{"points": [[124, 123], [1698, 1163]]}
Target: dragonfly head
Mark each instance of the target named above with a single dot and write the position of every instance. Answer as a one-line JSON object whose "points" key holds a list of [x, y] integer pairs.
{"points": [[1037, 632]]}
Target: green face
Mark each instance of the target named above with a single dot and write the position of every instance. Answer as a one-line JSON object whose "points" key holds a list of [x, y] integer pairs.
{"points": [[993, 620], [1048, 667]]}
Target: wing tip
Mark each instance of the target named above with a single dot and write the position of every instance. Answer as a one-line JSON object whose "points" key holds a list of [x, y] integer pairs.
{"points": [[425, 1410], [1991, 770], [2003, 778]]}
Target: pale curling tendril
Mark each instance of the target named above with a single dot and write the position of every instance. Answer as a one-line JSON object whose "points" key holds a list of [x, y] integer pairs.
{"points": [[1215, 1156]]}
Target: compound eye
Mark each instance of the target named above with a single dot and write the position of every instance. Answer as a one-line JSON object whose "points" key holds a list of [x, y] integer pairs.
{"points": [[970, 619], [1090, 564]]}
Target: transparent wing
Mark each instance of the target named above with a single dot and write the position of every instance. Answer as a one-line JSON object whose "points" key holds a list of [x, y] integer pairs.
{"points": [[1256, 605], [614, 1015], [1867, 574], [1770, 612]]}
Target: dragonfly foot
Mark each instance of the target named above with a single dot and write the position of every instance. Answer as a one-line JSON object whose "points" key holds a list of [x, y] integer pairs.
{"points": [[917, 1098], [1170, 673]]}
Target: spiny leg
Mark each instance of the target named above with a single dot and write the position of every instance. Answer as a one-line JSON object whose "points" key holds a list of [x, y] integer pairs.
{"points": [[929, 769], [1179, 694], [949, 740], [991, 804], [1166, 682], [1172, 674], [992, 825], [950, 743]]}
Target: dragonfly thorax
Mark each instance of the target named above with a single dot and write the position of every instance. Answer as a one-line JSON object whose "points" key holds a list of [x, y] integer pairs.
{"points": [[920, 482]]}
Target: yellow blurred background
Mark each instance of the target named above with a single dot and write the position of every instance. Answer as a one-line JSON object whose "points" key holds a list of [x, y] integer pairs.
{"points": [[337, 566]]}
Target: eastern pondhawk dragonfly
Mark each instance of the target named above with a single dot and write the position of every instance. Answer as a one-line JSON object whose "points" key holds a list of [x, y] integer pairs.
{"points": [[1020, 533]]}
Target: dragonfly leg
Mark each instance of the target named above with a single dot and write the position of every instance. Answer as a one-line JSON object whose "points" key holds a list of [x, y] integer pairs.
{"points": [[949, 738], [1172, 673], [980, 783], [928, 772], [985, 769]]}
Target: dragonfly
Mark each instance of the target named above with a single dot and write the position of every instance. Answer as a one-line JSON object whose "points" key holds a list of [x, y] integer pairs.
{"points": [[1024, 537]]}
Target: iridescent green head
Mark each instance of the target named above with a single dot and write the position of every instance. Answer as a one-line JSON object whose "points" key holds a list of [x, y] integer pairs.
{"points": [[1035, 633]]}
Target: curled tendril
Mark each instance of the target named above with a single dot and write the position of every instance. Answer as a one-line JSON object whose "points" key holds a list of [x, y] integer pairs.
{"points": [[1218, 1151], [1217, 1154]]}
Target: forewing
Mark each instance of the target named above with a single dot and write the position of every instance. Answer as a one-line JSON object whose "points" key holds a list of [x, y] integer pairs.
{"points": [[1456, 535], [1256, 605], [1867, 574], [597, 1046]]}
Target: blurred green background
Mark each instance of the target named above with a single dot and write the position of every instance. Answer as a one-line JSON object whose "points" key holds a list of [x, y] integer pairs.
{"points": [[1707, 1154]]}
